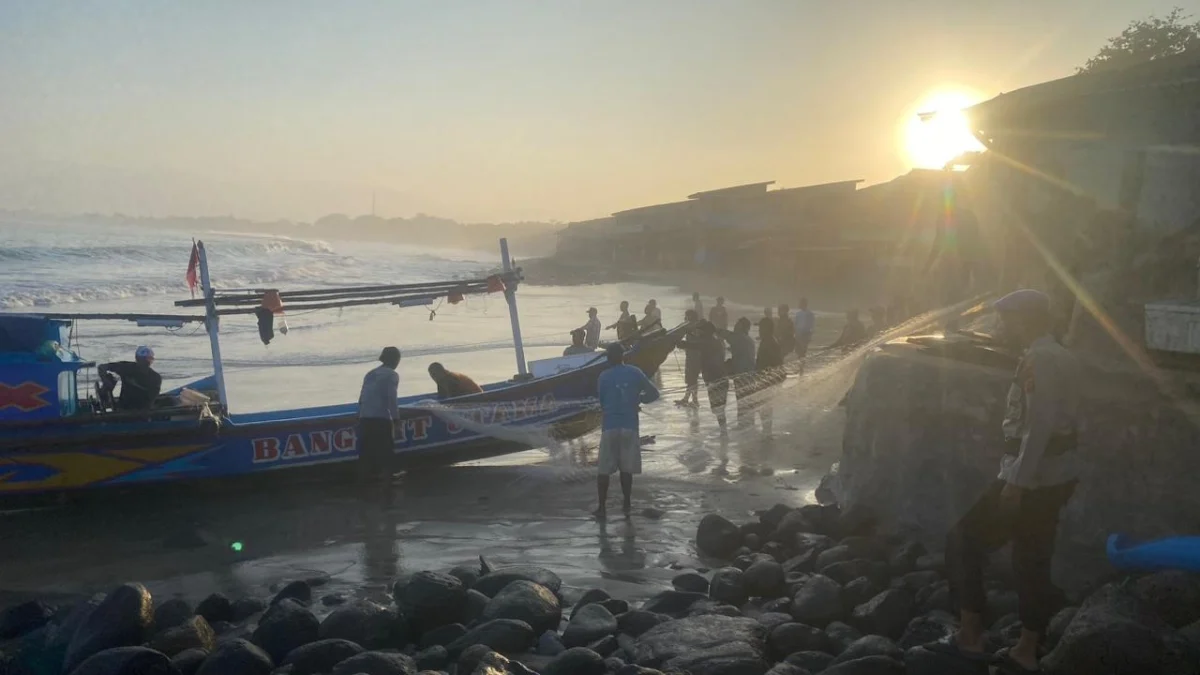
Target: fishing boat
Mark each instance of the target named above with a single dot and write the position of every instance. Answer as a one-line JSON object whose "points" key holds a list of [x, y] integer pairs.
{"points": [[55, 438]]}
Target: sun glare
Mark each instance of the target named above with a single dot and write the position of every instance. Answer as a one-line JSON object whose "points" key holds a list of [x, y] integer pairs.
{"points": [[935, 140]]}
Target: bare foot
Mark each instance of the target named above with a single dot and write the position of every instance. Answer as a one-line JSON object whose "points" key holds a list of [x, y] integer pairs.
{"points": [[600, 513]]}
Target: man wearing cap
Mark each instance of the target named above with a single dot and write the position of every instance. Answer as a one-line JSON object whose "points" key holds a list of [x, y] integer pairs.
{"points": [[376, 417], [621, 389], [577, 346], [140, 384], [1037, 477], [591, 330]]}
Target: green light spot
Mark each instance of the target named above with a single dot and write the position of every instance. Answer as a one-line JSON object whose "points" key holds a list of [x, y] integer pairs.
{"points": [[236, 546]]}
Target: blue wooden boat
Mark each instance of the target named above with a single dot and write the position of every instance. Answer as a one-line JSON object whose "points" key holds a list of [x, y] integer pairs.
{"points": [[53, 439]]}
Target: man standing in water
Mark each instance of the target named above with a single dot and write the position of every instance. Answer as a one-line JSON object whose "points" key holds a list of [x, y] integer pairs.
{"points": [[622, 322], [591, 330], [804, 322], [718, 315], [1037, 477], [621, 388], [376, 414], [785, 331]]}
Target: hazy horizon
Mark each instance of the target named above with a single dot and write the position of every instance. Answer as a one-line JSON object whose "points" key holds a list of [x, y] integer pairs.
{"points": [[489, 111]]}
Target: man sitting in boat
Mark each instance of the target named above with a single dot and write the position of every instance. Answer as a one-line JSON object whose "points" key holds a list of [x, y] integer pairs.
{"points": [[451, 384], [577, 345], [139, 383]]}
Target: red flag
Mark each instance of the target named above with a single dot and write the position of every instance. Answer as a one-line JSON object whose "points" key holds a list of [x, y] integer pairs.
{"points": [[193, 265]]}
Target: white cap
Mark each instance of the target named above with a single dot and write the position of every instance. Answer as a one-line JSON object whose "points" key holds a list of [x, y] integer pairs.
{"points": [[143, 353]]}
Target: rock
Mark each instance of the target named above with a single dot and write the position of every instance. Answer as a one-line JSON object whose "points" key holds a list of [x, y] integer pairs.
{"points": [[925, 629], [126, 661], [807, 542], [870, 645], [492, 583], [837, 554], [667, 641], [333, 599], [525, 601], [814, 662], [638, 621], [365, 623], [841, 636], [188, 661], [903, 559], [652, 513], [577, 660], [286, 625], [605, 646], [492, 664], [214, 608], [690, 582], [432, 599], [169, 614], [717, 537], [237, 657], [590, 623], [320, 656], [590, 596], [818, 601], [549, 644], [713, 607], [628, 646], [845, 572], [299, 591], [612, 664], [433, 658], [1109, 634], [770, 518], [244, 608], [770, 620], [921, 661], [727, 586], [443, 635], [742, 563], [786, 668], [1173, 595], [734, 658], [764, 579], [26, 617], [475, 604], [801, 564], [1000, 603], [632, 669], [673, 603], [858, 591], [471, 657], [614, 606], [937, 599], [191, 634], [507, 636], [467, 574], [792, 523], [795, 637], [885, 614], [915, 581], [376, 663], [122, 619], [780, 605], [1058, 626], [870, 665], [935, 562]]}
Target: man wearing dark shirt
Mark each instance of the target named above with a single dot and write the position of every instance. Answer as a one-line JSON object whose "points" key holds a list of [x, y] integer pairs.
{"points": [[711, 351], [452, 384], [577, 346], [139, 383]]}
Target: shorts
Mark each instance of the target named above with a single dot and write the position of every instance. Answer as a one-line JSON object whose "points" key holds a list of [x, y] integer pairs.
{"points": [[620, 450]]}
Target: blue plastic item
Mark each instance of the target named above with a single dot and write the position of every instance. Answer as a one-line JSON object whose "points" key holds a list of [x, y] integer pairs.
{"points": [[1172, 553]]}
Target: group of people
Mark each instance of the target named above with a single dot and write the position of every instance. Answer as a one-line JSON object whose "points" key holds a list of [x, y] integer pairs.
{"points": [[586, 338]]}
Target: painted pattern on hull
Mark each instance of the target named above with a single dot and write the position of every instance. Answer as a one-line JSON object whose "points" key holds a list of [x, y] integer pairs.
{"points": [[64, 470]]}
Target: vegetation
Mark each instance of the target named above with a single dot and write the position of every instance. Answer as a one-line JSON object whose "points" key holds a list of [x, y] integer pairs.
{"points": [[1147, 39]]}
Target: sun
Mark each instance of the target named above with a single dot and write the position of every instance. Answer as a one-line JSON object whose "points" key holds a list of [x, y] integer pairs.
{"points": [[930, 141]]}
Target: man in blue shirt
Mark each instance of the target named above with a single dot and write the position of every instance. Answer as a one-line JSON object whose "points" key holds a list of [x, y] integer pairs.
{"points": [[621, 388], [376, 416]]}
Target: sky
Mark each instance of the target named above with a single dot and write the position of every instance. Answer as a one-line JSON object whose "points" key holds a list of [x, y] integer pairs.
{"points": [[489, 110]]}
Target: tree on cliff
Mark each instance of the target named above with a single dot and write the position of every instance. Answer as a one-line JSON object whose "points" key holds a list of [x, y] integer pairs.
{"points": [[1145, 40]]}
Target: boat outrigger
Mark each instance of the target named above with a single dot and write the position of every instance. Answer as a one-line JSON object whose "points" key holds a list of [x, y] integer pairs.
{"points": [[53, 439]]}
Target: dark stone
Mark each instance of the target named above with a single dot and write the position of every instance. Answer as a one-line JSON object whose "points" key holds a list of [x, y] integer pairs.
{"points": [[786, 668], [925, 629], [472, 656], [1174, 595], [612, 664], [605, 646], [733, 658], [741, 563], [214, 608], [871, 665], [169, 614], [871, 548], [903, 559], [1058, 626], [859, 591], [577, 660], [653, 513], [713, 607], [492, 583], [320, 656], [818, 601], [244, 608], [507, 636], [885, 614], [1000, 603], [1110, 633], [188, 661], [590, 596], [192, 633], [122, 619], [443, 635], [638, 621], [826, 519], [690, 582], [614, 606], [915, 581], [376, 663], [26, 617], [792, 523], [814, 662], [365, 623], [782, 605], [772, 619], [837, 554], [237, 657], [467, 574], [432, 599], [795, 637], [764, 579], [474, 606], [921, 661], [777, 551], [936, 599], [717, 537], [870, 645], [770, 518], [807, 542], [800, 564], [432, 658], [841, 636], [845, 572], [550, 644], [286, 625], [727, 586], [932, 561], [751, 540], [664, 644], [590, 623], [333, 599], [673, 603], [525, 601], [299, 591], [126, 661]]}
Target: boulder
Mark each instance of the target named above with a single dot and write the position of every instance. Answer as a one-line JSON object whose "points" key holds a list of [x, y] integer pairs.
{"points": [[590, 596], [841, 636], [237, 657], [1110, 634], [550, 644], [126, 661], [717, 537], [638, 621], [932, 562], [858, 591], [837, 554], [472, 657], [727, 586], [286, 625], [792, 524], [320, 656], [813, 662], [690, 582], [800, 564], [590, 623], [576, 661], [467, 574], [673, 603], [473, 608], [818, 601], [376, 663], [171, 613], [1058, 626], [493, 582], [870, 665], [903, 559], [870, 645], [432, 658], [935, 598], [770, 620], [764, 579], [769, 518], [333, 599], [525, 601], [807, 542], [214, 608], [921, 661], [925, 629], [612, 664], [188, 661], [826, 519], [443, 635], [299, 591], [614, 606], [666, 642], [244, 608], [26, 617], [786, 668], [1174, 595], [122, 619], [191, 634], [507, 636], [432, 599], [734, 658], [914, 582], [885, 614], [788, 638], [845, 572], [365, 623]]}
